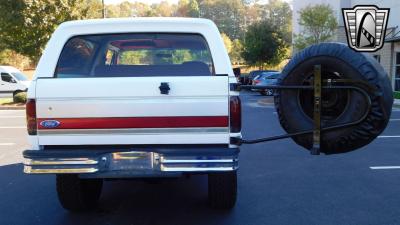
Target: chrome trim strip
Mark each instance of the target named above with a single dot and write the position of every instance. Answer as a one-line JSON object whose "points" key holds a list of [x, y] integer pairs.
{"points": [[221, 98], [30, 170], [195, 169], [61, 161], [133, 131], [163, 160]]}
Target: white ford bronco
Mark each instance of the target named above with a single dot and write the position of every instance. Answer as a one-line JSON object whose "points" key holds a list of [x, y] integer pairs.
{"points": [[133, 98], [157, 97]]}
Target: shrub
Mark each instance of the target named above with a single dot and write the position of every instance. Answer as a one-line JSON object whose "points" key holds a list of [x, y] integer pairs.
{"points": [[396, 94], [20, 97]]}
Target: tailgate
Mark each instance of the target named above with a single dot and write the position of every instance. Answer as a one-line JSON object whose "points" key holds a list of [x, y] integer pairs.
{"points": [[132, 110]]}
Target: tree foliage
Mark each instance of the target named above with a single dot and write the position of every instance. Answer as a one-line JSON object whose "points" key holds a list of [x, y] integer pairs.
{"points": [[26, 26], [228, 15], [188, 8], [227, 42], [279, 14], [264, 45], [10, 57], [319, 25], [236, 52]]}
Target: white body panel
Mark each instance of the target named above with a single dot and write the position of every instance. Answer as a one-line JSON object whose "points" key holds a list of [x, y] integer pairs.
{"points": [[132, 97], [127, 97]]}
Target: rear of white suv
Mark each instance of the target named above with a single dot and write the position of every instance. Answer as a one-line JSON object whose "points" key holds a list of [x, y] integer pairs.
{"points": [[125, 98]]}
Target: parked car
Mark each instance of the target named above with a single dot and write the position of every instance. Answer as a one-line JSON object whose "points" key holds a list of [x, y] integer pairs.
{"points": [[12, 81], [266, 78], [122, 102], [255, 73]]}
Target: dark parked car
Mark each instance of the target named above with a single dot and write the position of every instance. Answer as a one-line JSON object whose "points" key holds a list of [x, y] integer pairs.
{"points": [[255, 73], [266, 78]]}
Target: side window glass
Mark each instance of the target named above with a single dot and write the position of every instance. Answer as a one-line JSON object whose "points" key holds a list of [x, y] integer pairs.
{"points": [[76, 58], [7, 78], [109, 57]]}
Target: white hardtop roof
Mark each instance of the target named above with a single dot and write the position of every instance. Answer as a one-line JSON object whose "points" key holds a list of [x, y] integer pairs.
{"points": [[176, 23], [67, 30]]}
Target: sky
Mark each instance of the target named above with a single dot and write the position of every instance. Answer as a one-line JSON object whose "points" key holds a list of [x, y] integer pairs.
{"points": [[157, 1]]}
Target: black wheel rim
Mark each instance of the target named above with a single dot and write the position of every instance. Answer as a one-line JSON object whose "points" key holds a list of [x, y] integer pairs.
{"points": [[334, 102]]}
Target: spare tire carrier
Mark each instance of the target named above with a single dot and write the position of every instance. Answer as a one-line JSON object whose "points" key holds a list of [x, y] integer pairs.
{"points": [[317, 87]]}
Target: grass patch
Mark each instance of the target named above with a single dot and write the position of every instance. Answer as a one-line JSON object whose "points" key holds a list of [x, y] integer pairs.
{"points": [[6, 101], [396, 94], [9, 102]]}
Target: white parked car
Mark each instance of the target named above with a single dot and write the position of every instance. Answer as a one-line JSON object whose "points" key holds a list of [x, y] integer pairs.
{"points": [[12, 81], [138, 97]]}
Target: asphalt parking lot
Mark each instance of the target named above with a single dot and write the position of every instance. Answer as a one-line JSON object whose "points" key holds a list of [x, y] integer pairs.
{"points": [[279, 183]]}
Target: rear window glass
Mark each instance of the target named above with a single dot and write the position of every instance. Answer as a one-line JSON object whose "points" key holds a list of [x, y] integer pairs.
{"points": [[135, 55]]}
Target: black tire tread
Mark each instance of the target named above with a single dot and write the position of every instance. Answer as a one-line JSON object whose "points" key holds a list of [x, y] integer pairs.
{"points": [[373, 73], [76, 194], [222, 189]]}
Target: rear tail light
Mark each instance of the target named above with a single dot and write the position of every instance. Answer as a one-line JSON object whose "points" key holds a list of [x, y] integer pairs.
{"points": [[256, 81], [31, 116], [235, 114]]}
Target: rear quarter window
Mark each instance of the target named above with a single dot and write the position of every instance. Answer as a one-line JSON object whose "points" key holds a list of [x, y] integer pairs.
{"points": [[135, 55]]}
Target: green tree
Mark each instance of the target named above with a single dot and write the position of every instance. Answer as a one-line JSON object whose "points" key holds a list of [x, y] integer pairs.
{"points": [[163, 9], [93, 9], [140, 9], [26, 26], [264, 45], [236, 52], [228, 15], [9, 57], [125, 9], [279, 14], [227, 42], [319, 25], [188, 8]]}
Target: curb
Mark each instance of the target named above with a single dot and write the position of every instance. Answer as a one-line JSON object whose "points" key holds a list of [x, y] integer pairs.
{"points": [[396, 102], [12, 107], [266, 101]]}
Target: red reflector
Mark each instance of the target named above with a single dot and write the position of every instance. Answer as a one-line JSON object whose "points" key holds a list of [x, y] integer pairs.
{"points": [[235, 114], [31, 116]]}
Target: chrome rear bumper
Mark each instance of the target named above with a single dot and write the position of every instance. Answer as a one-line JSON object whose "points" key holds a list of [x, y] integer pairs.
{"points": [[129, 163]]}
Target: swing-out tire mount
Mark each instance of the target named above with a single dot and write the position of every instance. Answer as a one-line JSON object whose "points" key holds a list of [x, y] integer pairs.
{"points": [[355, 99], [337, 61]]}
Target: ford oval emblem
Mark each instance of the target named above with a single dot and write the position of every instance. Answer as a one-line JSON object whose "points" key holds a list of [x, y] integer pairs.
{"points": [[50, 123]]}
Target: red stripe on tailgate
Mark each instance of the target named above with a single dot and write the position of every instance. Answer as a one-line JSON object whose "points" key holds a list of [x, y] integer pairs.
{"points": [[138, 122]]}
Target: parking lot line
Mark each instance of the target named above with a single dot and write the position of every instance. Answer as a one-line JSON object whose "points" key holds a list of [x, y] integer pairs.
{"points": [[394, 119], [23, 127], [389, 136], [10, 117], [384, 167]]}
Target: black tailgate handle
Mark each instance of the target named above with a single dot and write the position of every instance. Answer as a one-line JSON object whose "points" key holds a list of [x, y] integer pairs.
{"points": [[164, 88]]}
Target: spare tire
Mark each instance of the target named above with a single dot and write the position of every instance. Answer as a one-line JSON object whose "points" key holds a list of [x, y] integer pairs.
{"points": [[338, 61]]}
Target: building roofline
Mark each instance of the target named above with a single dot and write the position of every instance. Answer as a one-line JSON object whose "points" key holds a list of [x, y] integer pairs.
{"points": [[393, 39]]}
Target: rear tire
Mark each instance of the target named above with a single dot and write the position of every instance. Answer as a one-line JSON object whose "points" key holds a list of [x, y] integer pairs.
{"points": [[338, 61], [77, 194], [222, 189]]}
